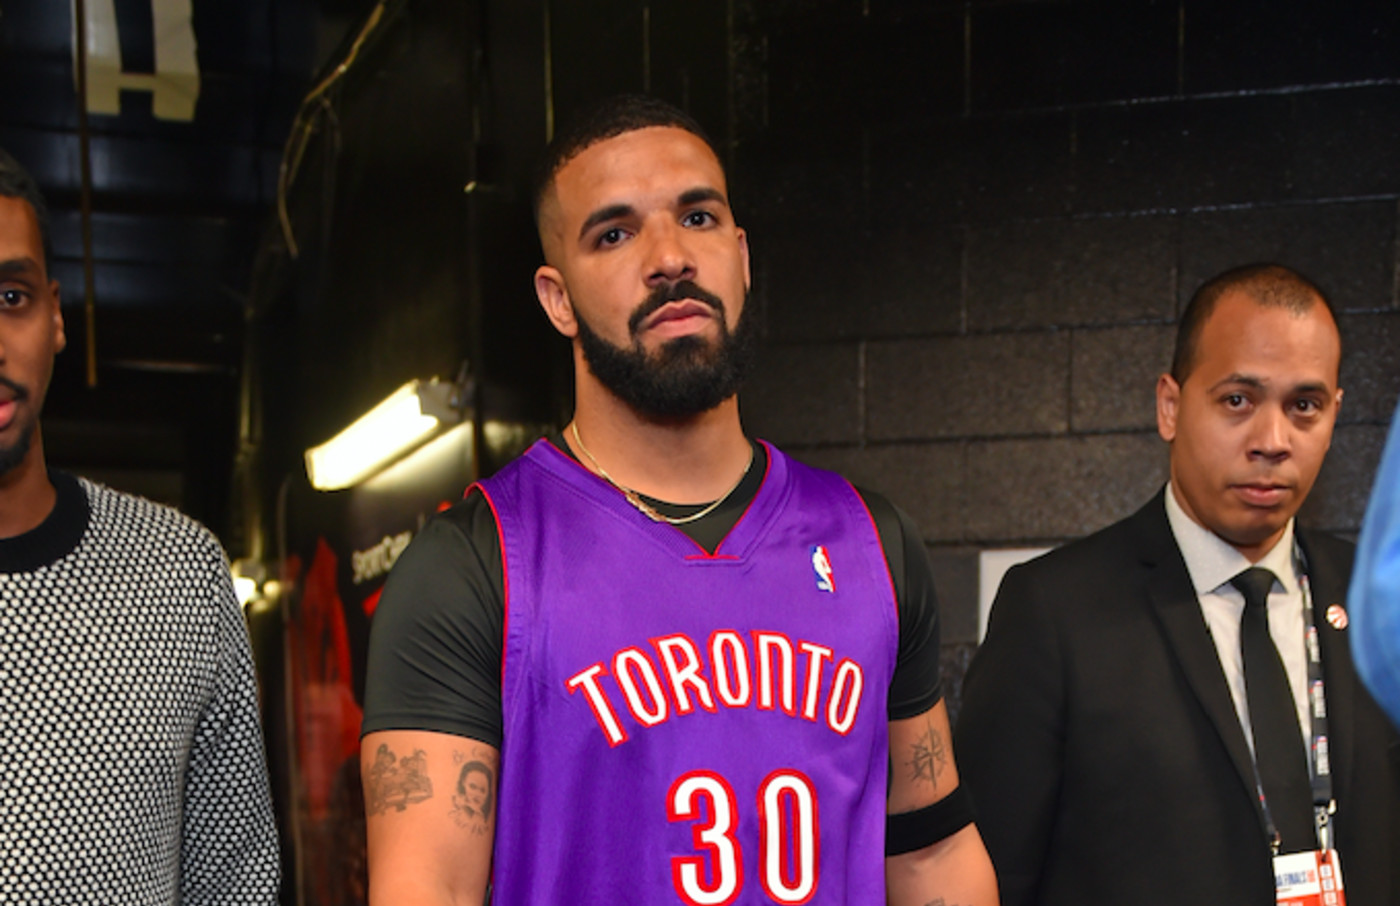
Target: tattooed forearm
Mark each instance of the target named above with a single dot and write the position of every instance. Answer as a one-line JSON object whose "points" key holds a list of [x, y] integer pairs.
{"points": [[396, 782], [474, 799], [928, 757], [939, 902]]}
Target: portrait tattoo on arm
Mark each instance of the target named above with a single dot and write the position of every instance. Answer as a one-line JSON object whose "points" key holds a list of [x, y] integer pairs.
{"points": [[396, 783], [474, 798], [928, 756]]}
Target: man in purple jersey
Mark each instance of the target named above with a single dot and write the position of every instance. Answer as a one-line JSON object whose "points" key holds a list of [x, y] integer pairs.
{"points": [[695, 671]]}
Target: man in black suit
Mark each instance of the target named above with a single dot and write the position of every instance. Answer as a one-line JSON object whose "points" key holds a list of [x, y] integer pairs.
{"points": [[1106, 731]]}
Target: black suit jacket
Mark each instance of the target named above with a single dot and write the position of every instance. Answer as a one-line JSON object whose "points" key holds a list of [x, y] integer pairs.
{"points": [[1103, 752]]}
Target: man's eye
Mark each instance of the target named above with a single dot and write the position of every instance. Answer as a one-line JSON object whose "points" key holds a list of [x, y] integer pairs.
{"points": [[1307, 407], [611, 237], [698, 218], [11, 297], [1234, 400]]}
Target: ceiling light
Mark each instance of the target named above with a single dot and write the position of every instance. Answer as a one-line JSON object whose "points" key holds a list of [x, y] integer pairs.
{"points": [[403, 421]]}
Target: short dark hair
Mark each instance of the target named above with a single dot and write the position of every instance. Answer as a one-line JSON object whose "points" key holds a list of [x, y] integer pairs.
{"points": [[1270, 285], [609, 118], [15, 182]]}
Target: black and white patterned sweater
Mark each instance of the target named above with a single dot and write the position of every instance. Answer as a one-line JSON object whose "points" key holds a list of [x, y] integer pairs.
{"points": [[131, 756]]}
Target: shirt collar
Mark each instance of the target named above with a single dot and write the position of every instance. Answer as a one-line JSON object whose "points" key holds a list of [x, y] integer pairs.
{"points": [[1212, 561], [54, 538]]}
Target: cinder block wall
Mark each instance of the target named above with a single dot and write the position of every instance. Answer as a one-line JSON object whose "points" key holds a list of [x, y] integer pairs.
{"points": [[973, 225]]}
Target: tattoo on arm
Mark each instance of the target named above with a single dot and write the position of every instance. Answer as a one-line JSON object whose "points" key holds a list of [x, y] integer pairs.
{"points": [[939, 902], [396, 782], [474, 799], [928, 757]]}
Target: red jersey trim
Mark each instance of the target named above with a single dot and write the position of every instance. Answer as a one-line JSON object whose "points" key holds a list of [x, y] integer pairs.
{"points": [[767, 470], [505, 571], [884, 558]]}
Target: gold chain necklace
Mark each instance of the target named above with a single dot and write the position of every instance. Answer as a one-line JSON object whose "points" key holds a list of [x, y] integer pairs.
{"points": [[647, 509]]}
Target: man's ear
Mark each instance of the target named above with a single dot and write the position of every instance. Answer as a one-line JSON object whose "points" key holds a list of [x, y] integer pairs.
{"points": [[1168, 403], [1336, 414], [554, 299], [60, 339]]}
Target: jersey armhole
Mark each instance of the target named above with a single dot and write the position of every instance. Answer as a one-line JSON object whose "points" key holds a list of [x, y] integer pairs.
{"points": [[479, 488]]}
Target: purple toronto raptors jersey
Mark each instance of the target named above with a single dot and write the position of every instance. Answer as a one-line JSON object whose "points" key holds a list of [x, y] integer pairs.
{"points": [[683, 727]]}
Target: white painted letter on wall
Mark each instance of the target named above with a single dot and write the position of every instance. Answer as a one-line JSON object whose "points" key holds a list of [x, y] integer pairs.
{"points": [[174, 85]]}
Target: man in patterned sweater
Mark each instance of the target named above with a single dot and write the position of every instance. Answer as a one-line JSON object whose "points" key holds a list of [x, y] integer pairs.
{"points": [[130, 749]]}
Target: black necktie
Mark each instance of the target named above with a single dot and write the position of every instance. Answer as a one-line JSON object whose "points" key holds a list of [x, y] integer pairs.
{"points": [[1279, 754]]}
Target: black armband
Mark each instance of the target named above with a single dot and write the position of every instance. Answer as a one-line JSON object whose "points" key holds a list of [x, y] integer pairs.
{"points": [[909, 831]]}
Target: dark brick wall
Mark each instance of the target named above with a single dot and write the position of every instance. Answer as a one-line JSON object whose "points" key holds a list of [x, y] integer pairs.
{"points": [[974, 224]]}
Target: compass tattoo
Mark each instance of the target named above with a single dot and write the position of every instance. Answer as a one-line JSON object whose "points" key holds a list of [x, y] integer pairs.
{"points": [[928, 757]]}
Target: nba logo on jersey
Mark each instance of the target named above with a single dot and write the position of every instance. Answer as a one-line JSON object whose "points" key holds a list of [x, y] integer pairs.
{"points": [[821, 565]]}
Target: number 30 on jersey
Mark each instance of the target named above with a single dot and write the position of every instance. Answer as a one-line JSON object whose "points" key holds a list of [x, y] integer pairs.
{"points": [[789, 838]]}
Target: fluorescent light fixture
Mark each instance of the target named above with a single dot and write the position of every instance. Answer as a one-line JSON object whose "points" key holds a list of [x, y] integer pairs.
{"points": [[409, 416]]}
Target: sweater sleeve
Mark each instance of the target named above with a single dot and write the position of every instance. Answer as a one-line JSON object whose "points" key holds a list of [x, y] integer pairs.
{"points": [[228, 849]]}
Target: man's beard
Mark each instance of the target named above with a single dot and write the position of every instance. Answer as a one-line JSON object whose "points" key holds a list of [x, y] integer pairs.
{"points": [[13, 455], [684, 376]]}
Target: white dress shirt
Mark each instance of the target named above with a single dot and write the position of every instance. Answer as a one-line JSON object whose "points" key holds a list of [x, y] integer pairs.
{"points": [[1212, 562]]}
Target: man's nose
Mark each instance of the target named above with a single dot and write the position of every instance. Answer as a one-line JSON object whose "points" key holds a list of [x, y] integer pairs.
{"points": [[1272, 431], [668, 255]]}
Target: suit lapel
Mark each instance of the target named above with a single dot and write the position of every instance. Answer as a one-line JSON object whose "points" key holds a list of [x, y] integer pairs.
{"points": [[1328, 582], [1178, 611]]}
